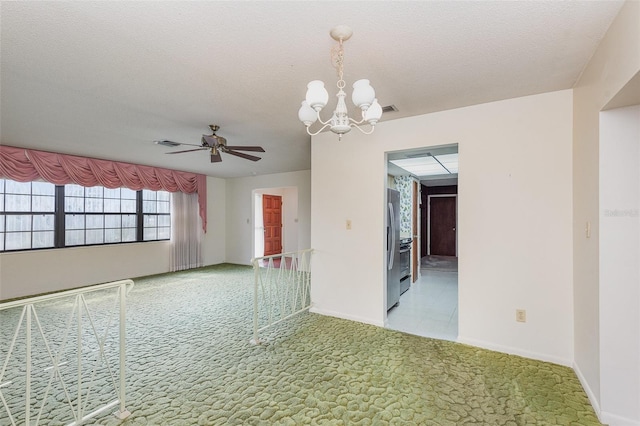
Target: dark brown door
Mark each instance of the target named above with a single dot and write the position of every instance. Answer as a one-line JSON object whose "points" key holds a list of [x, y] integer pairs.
{"points": [[415, 258], [443, 226], [272, 219]]}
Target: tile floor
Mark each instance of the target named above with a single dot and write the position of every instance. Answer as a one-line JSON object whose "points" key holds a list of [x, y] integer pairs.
{"points": [[430, 307]]}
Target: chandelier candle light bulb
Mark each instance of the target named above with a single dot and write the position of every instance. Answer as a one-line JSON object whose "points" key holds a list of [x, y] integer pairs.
{"points": [[363, 97]]}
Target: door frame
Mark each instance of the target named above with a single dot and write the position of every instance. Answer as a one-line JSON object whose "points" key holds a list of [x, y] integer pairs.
{"points": [[429, 219]]}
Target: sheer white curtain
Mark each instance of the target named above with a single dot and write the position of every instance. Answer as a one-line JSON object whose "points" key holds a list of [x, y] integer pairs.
{"points": [[186, 232]]}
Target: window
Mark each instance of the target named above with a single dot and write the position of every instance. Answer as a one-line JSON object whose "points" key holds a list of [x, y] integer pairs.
{"points": [[41, 215], [27, 215], [98, 215], [156, 207]]}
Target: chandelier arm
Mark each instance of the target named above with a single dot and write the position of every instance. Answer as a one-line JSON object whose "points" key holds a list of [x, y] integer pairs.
{"points": [[364, 131], [310, 133], [324, 123], [356, 123]]}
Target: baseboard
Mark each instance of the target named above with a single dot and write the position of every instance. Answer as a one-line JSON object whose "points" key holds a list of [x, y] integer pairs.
{"points": [[587, 389], [613, 420], [316, 310], [515, 351]]}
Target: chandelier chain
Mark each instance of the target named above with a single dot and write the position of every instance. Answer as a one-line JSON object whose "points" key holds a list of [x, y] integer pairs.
{"points": [[337, 56]]}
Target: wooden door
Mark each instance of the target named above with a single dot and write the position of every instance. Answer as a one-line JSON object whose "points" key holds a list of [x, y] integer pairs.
{"points": [[272, 219], [442, 226]]}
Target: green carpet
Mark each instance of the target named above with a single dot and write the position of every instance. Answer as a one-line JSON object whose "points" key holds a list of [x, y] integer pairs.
{"points": [[190, 363]]}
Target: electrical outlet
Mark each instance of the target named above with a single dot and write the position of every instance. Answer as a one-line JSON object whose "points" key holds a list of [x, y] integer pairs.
{"points": [[348, 223], [521, 315]]}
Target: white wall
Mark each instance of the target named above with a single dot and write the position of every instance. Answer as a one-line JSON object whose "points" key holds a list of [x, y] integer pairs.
{"points": [[514, 220], [41, 271], [614, 63], [619, 264], [240, 227], [213, 244]]}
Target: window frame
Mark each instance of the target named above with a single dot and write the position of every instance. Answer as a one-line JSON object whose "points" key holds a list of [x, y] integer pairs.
{"points": [[59, 219]]}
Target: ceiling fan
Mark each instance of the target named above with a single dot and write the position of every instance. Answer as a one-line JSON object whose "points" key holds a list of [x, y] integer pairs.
{"points": [[216, 145]]}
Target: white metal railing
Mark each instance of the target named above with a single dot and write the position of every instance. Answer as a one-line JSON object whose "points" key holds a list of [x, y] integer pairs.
{"points": [[37, 378], [281, 289]]}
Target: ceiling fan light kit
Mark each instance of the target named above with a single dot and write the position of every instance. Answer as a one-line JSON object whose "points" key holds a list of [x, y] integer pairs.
{"points": [[363, 96]]}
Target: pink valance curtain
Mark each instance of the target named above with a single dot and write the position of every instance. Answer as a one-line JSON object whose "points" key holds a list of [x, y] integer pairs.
{"points": [[25, 165]]}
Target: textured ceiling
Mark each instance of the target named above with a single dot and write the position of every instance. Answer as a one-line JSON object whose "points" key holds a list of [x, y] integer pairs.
{"points": [[105, 79]]}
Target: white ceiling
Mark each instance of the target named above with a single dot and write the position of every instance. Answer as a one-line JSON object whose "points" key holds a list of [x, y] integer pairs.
{"points": [[106, 79]]}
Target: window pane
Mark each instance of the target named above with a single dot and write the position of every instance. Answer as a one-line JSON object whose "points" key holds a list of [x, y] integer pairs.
{"points": [[129, 221], [18, 203], [73, 205], [128, 206], [150, 220], [1, 200], [74, 221], [13, 187], [43, 188], [94, 192], [150, 234], [18, 240], [2, 185], [111, 205], [164, 207], [95, 221], [164, 220], [112, 235], [43, 239], [164, 233], [128, 194], [43, 222], [72, 190], [112, 193], [149, 195], [128, 234], [43, 204], [1, 223], [164, 196], [93, 205], [148, 206], [95, 236], [18, 222], [112, 221], [74, 238], [1, 240]]}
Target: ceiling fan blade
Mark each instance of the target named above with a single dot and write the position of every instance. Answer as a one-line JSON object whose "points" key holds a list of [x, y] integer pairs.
{"points": [[187, 150], [246, 148], [241, 155], [216, 158]]}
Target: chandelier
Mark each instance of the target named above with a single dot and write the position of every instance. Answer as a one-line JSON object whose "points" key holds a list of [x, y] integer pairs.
{"points": [[363, 96]]}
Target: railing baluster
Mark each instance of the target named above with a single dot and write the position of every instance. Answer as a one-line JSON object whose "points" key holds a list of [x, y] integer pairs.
{"points": [[280, 292], [27, 408], [37, 392]]}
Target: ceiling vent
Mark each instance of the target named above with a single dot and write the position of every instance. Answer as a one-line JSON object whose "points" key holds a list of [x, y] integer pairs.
{"points": [[389, 108], [167, 143]]}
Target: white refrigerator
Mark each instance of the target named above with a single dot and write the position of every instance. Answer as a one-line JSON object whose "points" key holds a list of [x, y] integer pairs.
{"points": [[393, 248]]}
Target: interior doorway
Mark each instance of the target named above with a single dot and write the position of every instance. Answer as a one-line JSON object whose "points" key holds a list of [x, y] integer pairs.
{"points": [[430, 307], [286, 228]]}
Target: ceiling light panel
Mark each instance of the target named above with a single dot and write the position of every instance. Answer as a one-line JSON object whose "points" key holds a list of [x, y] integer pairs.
{"points": [[428, 166]]}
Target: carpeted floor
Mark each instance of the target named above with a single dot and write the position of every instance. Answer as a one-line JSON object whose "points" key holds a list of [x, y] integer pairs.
{"points": [[190, 363]]}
